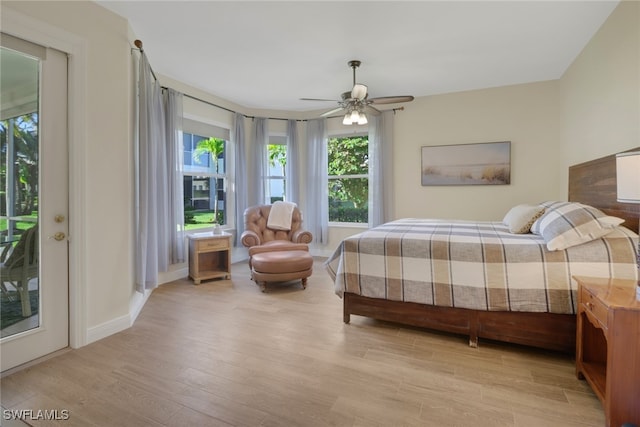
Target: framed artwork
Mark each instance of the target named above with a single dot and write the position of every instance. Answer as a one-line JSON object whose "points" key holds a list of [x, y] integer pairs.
{"points": [[486, 163]]}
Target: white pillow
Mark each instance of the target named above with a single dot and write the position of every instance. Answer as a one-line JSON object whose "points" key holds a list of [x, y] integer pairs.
{"points": [[520, 218]]}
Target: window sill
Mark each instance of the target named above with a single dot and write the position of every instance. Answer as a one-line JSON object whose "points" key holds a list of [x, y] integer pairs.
{"points": [[207, 229], [348, 225]]}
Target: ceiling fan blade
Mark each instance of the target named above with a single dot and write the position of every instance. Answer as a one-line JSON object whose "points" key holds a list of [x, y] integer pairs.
{"points": [[330, 112], [371, 110], [359, 92], [318, 99], [391, 99]]}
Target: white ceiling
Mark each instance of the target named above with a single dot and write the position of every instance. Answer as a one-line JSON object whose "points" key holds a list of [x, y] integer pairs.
{"points": [[267, 54]]}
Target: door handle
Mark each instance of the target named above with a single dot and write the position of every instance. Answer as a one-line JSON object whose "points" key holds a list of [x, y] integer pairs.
{"points": [[58, 236]]}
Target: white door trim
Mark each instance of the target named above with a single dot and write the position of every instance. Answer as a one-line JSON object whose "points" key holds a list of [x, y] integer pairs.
{"points": [[28, 28]]}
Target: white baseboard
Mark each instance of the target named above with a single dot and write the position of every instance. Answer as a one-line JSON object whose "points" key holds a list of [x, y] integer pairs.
{"points": [[137, 302], [170, 276], [121, 323], [108, 328]]}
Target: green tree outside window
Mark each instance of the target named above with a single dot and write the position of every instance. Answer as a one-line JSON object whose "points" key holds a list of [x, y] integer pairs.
{"points": [[348, 184], [214, 147]]}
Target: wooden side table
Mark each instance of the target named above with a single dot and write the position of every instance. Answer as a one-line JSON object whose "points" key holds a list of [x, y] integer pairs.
{"points": [[209, 256], [608, 345]]}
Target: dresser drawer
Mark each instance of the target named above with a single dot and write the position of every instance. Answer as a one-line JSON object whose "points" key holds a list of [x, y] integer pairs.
{"points": [[594, 307], [212, 244]]}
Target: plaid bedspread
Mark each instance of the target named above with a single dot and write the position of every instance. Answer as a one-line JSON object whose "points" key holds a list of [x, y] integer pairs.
{"points": [[475, 265]]}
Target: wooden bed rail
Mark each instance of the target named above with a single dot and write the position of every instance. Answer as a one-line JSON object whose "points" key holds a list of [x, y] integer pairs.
{"points": [[543, 330]]}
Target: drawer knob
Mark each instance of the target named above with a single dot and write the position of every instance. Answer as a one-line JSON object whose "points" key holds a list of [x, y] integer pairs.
{"points": [[589, 305]]}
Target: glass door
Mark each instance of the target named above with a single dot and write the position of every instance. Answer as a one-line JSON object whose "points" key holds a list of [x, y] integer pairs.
{"points": [[33, 202]]}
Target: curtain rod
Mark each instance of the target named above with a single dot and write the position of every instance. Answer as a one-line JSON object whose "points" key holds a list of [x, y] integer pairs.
{"points": [[253, 117], [231, 111], [138, 44]]}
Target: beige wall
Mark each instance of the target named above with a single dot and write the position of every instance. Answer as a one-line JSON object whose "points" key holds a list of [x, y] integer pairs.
{"points": [[591, 111], [600, 92], [526, 115]]}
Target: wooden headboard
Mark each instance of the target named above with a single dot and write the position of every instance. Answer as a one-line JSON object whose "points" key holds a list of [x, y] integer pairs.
{"points": [[594, 183]]}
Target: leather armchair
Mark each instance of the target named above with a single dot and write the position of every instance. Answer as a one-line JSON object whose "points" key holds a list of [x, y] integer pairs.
{"points": [[258, 234], [276, 255]]}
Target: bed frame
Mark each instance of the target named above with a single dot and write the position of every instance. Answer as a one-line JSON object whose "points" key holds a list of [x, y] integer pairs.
{"points": [[592, 183]]}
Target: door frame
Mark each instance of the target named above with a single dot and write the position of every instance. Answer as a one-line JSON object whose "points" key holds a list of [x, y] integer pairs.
{"points": [[38, 32]]}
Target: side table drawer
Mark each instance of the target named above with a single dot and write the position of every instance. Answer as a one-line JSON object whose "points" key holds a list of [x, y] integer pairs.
{"points": [[212, 244], [594, 307]]}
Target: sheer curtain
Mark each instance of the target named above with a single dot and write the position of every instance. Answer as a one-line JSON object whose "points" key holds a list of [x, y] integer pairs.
{"points": [[381, 168], [316, 212], [175, 163], [242, 187], [158, 231], [259, 160], [292, 172]]}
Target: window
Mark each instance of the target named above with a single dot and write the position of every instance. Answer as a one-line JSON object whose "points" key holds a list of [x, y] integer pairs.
{"points": [[205, 181], [276, 180], [349, 179]]}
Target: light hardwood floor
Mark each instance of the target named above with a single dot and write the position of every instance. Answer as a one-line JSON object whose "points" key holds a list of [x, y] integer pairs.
{"points": [[223, 353]]}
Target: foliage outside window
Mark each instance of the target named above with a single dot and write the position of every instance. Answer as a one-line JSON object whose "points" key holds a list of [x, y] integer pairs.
{"points": [[19, 173], [276, 180], [205, 181], [349, 179]]}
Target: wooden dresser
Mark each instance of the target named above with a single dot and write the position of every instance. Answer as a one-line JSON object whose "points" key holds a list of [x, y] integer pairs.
{"points": [[608, 345]]}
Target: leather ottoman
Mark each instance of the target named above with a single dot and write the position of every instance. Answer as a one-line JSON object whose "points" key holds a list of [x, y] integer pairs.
{"points": [[281, 266]]}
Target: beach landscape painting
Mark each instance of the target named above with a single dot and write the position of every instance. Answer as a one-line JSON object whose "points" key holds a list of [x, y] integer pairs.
{"points": [[486, 163]]}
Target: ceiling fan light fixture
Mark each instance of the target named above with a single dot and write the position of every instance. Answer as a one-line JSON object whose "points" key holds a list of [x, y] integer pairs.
{"points": [[355, 102], [359, 91]]}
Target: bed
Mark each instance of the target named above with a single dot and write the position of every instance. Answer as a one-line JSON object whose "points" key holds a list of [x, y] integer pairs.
{"points": [[482, 280]]}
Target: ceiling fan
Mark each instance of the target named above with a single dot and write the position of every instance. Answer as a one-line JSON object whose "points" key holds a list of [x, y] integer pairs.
{"points": [[356, 102]]}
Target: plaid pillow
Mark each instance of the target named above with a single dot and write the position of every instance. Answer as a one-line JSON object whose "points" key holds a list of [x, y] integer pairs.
{"points": [[567, 224]]}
